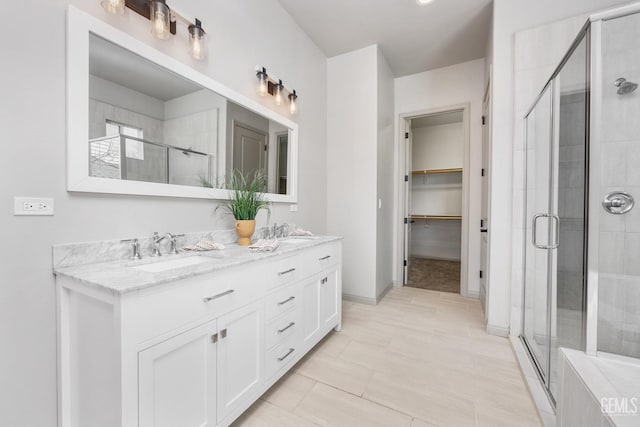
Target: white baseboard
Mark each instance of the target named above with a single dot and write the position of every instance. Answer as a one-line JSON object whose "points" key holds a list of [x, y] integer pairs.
{"points": [[499, 331], [359, 299], [384, 292], [471, 294]]}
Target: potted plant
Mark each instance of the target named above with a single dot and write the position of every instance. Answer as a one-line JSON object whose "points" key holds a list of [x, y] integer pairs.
{"points": [[246, 198]]}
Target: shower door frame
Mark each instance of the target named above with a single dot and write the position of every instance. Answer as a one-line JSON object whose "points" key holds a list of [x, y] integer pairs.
{"points": [[587, 307]]}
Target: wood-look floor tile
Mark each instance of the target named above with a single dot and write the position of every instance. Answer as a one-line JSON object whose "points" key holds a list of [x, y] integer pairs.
{"points": [[335, 372], [328, 406], [289, 391], [264, 414]]}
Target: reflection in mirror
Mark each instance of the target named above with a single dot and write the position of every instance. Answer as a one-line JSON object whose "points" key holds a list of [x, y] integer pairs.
{"points": [[149, 124]]}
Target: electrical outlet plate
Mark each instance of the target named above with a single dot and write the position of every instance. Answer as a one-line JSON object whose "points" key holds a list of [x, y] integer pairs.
{"points": [[293, 208], [32, 206]]}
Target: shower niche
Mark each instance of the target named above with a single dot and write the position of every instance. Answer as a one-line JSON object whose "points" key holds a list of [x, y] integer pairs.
{"points": [[581, 269]]}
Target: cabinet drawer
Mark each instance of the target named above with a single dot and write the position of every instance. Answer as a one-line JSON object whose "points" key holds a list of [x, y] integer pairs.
{"points": [[322, 257], [283, 271], [282, 301], [282, 328], [164, 308], [281, 356]]}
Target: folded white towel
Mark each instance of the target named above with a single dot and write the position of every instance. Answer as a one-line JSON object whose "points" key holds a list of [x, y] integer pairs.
{"points": [[301, 232], [204, 245], [265, 245]]}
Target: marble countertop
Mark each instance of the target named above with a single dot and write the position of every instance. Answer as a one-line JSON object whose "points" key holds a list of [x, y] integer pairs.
{"points": [[121, 276]]}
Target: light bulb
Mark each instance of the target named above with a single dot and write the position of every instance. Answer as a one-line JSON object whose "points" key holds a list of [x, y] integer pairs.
{"points": [[160, 19], [263, 86], [293, 104], [115, 7], [278, 94], [197, 41]]}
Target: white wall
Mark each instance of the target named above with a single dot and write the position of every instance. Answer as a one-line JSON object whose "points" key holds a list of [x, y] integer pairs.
{"points": [[510, 16], [384, 242], [440, 88], [351, 158], [438, 147], [32, 119]]}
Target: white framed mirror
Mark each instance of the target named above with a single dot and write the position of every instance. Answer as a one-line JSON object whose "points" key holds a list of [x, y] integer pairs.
{"points": [[143, 123]]}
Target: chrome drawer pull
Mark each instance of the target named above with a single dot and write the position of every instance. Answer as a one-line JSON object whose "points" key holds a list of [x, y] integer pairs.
{"points": [[223, 294], [286, 327], [291, 298], [323, 281], [325, 257], [291, 350], [282, 273]]}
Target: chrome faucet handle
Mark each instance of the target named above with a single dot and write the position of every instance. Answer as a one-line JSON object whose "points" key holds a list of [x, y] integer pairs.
{"points": [[174, 247], [135, 247], [156, 239]]}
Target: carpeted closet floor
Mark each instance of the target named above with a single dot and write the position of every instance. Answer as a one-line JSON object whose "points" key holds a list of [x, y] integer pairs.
{"points": [[434, 274]]}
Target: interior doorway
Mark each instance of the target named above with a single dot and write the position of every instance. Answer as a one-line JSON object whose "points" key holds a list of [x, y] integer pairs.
{"points": [[435, 208]]}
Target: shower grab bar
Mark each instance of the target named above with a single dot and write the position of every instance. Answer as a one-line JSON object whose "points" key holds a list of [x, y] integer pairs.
{"points": [[534, 227]]}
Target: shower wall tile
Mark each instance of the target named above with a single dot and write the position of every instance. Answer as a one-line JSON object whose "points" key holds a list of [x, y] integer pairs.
{"points": [[611, 256], [632, 254], [613, 165]]}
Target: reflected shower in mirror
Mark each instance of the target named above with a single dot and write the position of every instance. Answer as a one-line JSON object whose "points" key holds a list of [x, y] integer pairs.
{"points": [[149, 124]]}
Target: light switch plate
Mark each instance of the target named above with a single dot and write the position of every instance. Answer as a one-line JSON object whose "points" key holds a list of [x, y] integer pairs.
{"points": [[32, 206], [293, 208]]}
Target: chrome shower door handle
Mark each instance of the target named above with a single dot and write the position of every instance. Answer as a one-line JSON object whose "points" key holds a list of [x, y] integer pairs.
{"points": [[534, 230], [556, 235], [618, 203]]}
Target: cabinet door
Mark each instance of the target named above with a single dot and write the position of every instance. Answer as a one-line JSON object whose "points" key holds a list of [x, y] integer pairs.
{"points": [[177, 380], [241, 350], [330, 302], [310, 311]]}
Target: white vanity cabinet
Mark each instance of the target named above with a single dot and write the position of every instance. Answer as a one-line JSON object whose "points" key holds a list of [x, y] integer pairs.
{"points": [[192, 352]]}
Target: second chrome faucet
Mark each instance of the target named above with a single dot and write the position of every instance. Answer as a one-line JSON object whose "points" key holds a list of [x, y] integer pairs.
{"points": [[157, 239]]}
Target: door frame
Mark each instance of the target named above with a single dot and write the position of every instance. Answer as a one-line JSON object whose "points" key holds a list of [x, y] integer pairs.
{"points": [[465, 274], [235, 123]]}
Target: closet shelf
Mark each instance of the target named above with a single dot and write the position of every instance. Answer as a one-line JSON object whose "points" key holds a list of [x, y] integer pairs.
{"points": [[437, 217], [435, 171]]}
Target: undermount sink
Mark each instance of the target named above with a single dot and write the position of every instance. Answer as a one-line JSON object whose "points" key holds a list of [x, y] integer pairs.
{"points": [[157, 267], [298, 239]]}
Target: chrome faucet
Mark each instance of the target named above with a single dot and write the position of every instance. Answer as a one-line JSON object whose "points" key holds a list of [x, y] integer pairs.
{"points": [[277, 231], [135, 247], [157, 239]]}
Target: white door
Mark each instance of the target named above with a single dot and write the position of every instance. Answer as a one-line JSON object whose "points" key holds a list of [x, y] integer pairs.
{"points": [[250, 149], [407, 198], [329, 299], [484, 197], [177, 380], [310, 311], [241, 357]]}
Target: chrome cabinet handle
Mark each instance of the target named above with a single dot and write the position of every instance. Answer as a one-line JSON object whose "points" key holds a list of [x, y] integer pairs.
{"points": [[214, 338], [291, 350], [324, 280], [282, 273], [286, 327], [291, 298], [325, 257], [223, 333], [220, 295]]}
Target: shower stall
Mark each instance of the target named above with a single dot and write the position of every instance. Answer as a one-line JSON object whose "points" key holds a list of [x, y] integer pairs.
{"points": [[582, 172]]}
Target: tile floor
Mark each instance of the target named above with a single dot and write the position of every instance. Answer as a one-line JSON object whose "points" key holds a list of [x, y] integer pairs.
{"points": [[420, 358]]}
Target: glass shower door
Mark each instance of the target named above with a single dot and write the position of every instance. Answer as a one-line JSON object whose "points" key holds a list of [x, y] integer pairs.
{"points": [[537, 226]]}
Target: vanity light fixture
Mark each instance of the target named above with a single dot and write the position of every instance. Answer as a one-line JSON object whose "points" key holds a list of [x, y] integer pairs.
{"points": [[271, 85], [163, 21], [197, 46], [423, 2], [115, 7], [293, 104], [263, 82]]}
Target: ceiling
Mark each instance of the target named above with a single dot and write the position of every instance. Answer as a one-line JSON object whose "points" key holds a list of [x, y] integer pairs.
{"points": [[412, 38], [111, 62], [437, 119]]}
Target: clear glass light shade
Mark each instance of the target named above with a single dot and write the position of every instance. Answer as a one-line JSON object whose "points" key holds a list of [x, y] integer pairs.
{"points": [[293, 103], [197, 45], [278, 94], [263, 86], [115, 7], [160, 19]]}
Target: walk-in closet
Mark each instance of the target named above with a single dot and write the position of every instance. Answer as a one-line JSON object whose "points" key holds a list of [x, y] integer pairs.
{"points": [[435, 201]]}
